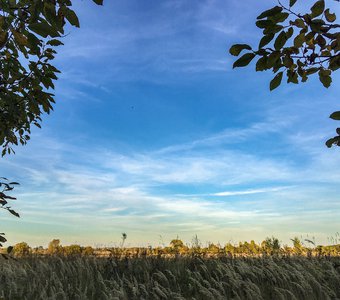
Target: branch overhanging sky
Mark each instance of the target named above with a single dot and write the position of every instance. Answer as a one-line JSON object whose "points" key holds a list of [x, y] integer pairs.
{"points": [[155, 135]]}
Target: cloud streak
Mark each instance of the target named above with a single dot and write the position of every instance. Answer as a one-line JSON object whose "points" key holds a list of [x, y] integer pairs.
{"points": [[248, 192], [138, 190]]}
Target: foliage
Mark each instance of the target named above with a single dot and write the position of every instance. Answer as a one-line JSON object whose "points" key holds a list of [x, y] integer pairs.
{"points": [[271, 246], [181, 278], [268, 247], [297, 45], [88, 251], [21, 249], [30, 31], [297, 246], [5, 187], [72, 250], [177, 243], [54, 247]]}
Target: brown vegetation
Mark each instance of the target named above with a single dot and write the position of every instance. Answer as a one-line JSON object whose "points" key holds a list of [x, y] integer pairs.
{"points": [[269, 247]]}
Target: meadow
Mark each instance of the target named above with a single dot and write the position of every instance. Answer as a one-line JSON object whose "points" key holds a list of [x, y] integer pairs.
{"points": [[151, 274]]}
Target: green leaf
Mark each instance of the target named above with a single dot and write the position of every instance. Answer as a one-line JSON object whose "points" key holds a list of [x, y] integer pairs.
{"points": [[270, 12], [311, 71], [325, 78], [264, 23], [70, 15], [50, 13], [99, 2], [292, 2], [237, 48], [335, 115], [279, 18], [266, 39], [54, 42], [42, 29], [33, 42], [329, 16], [320, 40], [3, 38], [13, 212], [310, 37], [289, 32], [276, 81], [19, 38], [298, 23], [316, 25], [318, 8], [329, 143], [299, 40], [334, 63], [292, 77], [273, 58], [272, 29], [288, 61], [280, 41], [261, 64], [244, 60], [3, 201]]}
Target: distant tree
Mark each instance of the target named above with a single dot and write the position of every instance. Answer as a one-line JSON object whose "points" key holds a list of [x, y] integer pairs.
{"points": [[297, 246], [213, 249], [229, 249], [253, 247], [297, 44], [271, 246], [72, 250], [177, 243], [87, 251], [38, 250], [54, 247], [21, 249]]}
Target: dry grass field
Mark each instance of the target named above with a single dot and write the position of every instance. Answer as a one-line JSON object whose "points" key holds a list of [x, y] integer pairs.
{"points": [[269, 277]]}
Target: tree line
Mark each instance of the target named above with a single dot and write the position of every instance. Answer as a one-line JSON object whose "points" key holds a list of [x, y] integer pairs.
{"points": [[268, 247]]}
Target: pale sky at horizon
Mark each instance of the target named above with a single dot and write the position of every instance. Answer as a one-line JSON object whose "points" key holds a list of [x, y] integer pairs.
{"points": [[155, 135]]}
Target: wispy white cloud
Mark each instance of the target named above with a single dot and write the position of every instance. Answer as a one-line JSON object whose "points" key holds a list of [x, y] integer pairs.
{"points": [[232, 135], [248, 192], [127, 190]]}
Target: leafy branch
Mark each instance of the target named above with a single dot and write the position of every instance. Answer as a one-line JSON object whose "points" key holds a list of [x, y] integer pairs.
{"points": [[30, 31], [5, 187], [297, 45], [4, 198]]}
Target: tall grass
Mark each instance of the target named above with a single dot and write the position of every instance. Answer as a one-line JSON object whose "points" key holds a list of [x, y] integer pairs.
{"points": [[179, 278]]}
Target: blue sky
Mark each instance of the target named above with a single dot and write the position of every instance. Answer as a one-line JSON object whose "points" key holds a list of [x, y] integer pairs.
{"points": [[155, 135]]}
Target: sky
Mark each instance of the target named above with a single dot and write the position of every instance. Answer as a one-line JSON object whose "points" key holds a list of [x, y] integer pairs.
{"points": [[155, 135]]}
